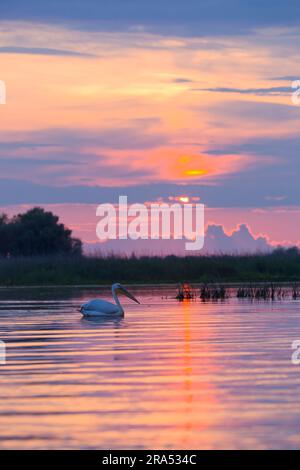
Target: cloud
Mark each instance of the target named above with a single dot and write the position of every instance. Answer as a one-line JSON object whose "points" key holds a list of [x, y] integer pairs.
{"points": [[69, 171], [182, 80], [272, 91], [241, 240], [275, 198], [195, 18], [68, 155], [256, 111], [81, 156], [136, 135], [20, 191], [82, 166], [286, 147], [286, 78], [42, 51], [242, 191], [278, 171]]}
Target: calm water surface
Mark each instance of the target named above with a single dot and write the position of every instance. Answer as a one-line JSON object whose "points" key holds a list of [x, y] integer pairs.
{"points": [[168, 376]]}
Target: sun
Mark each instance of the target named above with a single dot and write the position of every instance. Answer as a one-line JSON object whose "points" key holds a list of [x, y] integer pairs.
{"points": [[195, 172]]}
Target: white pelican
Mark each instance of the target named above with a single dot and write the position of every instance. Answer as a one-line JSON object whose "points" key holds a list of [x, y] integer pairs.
{"points": [[99, 307]]}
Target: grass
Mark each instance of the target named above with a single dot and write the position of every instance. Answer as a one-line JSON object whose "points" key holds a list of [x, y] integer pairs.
{"points": [[280, 266]]}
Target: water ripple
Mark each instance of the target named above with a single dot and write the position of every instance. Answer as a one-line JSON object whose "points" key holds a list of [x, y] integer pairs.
{"points": [[169, 375]]}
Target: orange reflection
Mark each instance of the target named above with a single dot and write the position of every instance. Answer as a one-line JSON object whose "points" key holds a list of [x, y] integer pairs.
{"points": [[199, 395]]}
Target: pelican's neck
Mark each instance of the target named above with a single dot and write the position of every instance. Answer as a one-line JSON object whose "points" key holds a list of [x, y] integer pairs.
{"points": [[116, 299]]}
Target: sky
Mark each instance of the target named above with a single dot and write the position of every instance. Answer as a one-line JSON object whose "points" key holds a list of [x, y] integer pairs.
{"points": [[154, 100]]}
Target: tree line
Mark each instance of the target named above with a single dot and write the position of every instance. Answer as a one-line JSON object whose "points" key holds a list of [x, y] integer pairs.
{"points": [[36, 233]]}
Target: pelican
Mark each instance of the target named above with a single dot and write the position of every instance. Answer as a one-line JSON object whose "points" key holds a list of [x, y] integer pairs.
{"points": [[99, 307]]}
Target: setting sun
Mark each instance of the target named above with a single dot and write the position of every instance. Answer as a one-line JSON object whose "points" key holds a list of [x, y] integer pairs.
{"points": [[184, 199], [196, 172]]}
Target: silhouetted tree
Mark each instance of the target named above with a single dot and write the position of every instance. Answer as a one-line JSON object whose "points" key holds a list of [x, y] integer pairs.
{"points": [[36, 233]]}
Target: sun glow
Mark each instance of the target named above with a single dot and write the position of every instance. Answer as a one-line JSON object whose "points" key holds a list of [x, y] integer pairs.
{"points": [[148, 119], [195, 172]]}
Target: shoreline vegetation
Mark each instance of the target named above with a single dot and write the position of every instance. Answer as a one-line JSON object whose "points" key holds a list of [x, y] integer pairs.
{"points": [[37, 250], [280, 266], [251, 291]]}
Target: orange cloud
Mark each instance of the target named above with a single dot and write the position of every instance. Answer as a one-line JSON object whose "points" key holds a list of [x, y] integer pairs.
{"points": [[128, 78]]}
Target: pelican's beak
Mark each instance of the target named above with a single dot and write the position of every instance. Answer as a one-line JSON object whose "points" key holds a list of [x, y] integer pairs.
{"points": [[130, 296]]}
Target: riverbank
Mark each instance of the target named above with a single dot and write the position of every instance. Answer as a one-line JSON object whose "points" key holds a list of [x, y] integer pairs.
{"points": [[282, 266]]}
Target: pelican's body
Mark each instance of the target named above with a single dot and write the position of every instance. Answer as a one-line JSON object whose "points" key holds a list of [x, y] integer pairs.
{"points": [[99, 307]]}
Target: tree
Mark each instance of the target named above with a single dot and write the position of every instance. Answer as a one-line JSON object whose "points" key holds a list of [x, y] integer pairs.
{"points": [[36, 233]]}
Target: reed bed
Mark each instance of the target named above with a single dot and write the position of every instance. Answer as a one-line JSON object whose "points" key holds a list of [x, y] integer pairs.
{"points": [[278, 267], [213, 293], [268, 292]]}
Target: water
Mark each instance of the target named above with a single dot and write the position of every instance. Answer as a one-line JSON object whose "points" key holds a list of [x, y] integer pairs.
{"points": [[168, 376]]}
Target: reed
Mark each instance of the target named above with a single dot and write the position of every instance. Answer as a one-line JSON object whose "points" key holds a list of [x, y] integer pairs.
{"points": [[185, 292], [266, 292], [295, 291], [281, 266], [213, 293]]}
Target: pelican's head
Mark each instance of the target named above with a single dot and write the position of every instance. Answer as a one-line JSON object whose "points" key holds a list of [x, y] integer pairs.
{"points": [[119, 289]]}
